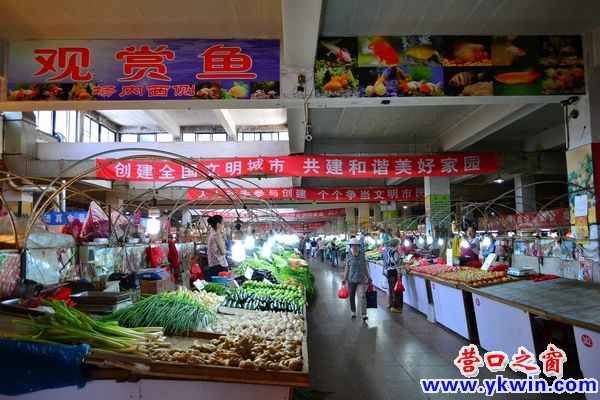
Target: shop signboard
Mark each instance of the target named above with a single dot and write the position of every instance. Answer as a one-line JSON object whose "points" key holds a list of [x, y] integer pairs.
{"points": [[362, 195], [427, 65], [447, 164], [169, 69], [546, 219], [62, 218]]}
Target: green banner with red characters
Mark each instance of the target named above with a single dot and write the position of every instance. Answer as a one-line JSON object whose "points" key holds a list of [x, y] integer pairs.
{"points": [[399, 66]]}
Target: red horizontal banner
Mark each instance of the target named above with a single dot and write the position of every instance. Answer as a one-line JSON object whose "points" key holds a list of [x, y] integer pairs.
{"points": [[547, 219], [305, 166], [334, 212], [298, 227], [316, 194]]}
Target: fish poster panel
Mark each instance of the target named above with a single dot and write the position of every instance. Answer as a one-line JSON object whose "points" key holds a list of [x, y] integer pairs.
{"points": [[426, 65], [336, 82], [467, 51], [422, 50], [561, 59], [465, 81], [337, 52], [515, 51], [517, 82], [379, 51], [420, 80], [378, 82]]}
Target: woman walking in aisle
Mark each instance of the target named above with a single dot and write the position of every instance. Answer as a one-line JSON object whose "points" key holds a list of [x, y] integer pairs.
{"points": [[356, 276], [392, 264]]}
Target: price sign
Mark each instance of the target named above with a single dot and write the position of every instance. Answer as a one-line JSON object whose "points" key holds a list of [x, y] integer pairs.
{"points": [[248, 273], [408, 257], [200, 284], [488, 261], [449, 257]]}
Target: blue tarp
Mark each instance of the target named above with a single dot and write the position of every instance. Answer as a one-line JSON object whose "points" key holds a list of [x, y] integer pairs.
{"points": [[27, 366]]}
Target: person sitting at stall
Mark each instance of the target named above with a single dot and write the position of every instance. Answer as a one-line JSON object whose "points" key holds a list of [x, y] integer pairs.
{"points": [[217, 261]]}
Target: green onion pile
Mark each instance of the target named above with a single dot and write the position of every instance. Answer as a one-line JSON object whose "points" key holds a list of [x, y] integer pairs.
{"points": [[179, 313], [70, 326]]}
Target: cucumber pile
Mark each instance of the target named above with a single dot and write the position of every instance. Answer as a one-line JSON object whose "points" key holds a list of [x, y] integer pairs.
{"points": [[265, 297]]}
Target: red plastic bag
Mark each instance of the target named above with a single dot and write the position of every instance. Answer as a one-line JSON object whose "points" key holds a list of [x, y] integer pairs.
{"points": [[343, 292], [155, 256], [398, 287]]}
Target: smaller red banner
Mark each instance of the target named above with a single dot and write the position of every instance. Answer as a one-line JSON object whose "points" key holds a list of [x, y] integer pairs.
{"points": [[314, 194], [547, 219]]}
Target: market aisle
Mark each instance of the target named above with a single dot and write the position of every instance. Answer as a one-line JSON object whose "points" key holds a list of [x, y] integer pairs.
{"points": [[383, 358]]}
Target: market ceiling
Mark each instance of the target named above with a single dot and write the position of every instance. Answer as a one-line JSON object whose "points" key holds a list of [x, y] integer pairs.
{"points": [[349, 126]]}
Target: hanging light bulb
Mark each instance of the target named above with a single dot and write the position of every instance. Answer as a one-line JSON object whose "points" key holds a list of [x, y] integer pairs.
{"points": [[153, 226], [487, 241], [429, 239], [249, 242], [440, 242], [238, 252], [154, 211]]}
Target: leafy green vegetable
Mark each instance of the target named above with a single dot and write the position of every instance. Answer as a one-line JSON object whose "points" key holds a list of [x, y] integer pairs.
{"points": [[178, 312]]}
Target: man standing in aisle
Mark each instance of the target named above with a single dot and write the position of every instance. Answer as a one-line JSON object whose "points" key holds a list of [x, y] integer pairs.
{"points": [[321, 248], [333, 248]]}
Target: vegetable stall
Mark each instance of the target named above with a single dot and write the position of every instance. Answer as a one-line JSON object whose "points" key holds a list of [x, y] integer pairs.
{"points": [[245, 336]]}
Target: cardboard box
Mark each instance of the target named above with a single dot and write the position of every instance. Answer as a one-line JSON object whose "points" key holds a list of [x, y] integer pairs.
{"points": [[157, 286]]}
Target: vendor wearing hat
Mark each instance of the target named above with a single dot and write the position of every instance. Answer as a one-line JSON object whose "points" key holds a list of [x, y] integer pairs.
{"points": [[356, 276]]}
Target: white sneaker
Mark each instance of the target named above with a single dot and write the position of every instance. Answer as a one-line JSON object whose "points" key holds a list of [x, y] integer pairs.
{"points": [[365, 317]]}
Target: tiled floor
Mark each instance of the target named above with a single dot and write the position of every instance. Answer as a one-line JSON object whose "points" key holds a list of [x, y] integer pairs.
{"points": [[383, 358]]}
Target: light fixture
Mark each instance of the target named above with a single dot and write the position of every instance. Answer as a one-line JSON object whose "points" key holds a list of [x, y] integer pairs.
{"points": [[154, 211], [238, 252], [405, 207], [499, 179], [153, 226], [487, 241], [429, 239], [440, 242], [249, 242], [464, 244]]}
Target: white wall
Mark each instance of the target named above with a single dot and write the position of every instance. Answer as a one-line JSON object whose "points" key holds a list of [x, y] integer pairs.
{"points": [[78, 151]]}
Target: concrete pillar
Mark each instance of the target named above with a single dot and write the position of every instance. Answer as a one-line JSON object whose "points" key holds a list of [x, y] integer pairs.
{"points": [[350, 220], [525, 193], [437, 206], [376, 212], [364, 217]]}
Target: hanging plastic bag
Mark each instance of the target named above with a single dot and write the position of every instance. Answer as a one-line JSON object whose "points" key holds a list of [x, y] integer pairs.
{"points": [[343, 292], [371, 297], [156, 256], [398, 287]]}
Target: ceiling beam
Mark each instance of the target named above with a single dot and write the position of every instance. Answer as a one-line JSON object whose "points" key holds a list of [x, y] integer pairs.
{"points": [[546, 140], [296, 118], [165, 120], [481, 123], [226, 120], [395, 181], [300, 23]]}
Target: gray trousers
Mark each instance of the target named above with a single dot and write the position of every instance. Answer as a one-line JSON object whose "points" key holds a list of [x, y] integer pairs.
{"points": [[361, 288]]}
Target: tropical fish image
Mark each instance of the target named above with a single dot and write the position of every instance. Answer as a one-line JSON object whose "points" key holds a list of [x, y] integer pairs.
{"points": [[422, 53], [515, 51], [466, 78], [383, 51], [468, 53], [517, 78], [341, 53], [337, 83]]}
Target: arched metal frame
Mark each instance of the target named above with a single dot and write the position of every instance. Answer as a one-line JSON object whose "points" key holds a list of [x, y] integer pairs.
{"points": [[204, 173]]}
